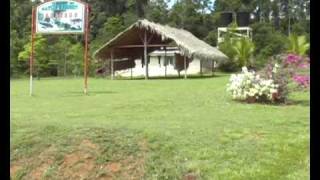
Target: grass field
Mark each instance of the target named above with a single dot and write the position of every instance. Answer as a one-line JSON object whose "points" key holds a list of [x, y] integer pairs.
{"points": [[156, 129]]}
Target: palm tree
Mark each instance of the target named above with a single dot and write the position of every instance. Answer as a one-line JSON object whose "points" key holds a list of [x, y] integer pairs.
{"points": [[244, 49], [298, 44]]}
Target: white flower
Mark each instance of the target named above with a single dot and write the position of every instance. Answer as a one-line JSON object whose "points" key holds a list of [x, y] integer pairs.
{"points": [[244, 69], [275, 68], [246, 84]]}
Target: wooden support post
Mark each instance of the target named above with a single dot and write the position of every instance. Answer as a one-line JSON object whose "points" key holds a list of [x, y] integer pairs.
{"points": [[165, 70], [105, 69], [86, 50], [185, 67], [32, 51], [201, 73], [165, 61], [112, 68], [212, 66], [145, 53]]}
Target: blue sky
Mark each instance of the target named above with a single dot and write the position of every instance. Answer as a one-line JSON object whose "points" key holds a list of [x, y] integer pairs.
{"points": [[170, 3]]}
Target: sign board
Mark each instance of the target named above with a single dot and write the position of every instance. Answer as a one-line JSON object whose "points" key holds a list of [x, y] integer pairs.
{"points": [[60, 16]]}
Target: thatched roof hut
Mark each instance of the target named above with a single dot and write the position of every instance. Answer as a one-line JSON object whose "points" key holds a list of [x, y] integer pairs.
{"points": [[144, 37]]}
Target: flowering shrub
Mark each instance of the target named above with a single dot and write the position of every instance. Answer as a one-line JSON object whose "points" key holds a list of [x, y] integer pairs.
{"points": [[302, 80], [293, 59], [279, 74], [249, 86], [271, 83], [298, 63]]}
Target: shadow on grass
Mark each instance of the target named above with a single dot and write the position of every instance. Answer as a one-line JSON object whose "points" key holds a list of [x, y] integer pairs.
{"points": [[173, 77], [298, 102], [288, 103], [81, 93]]}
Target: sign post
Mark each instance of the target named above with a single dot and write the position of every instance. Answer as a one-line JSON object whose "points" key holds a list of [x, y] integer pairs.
{"points": [[61, 17], [32, 51], [86, 51]]}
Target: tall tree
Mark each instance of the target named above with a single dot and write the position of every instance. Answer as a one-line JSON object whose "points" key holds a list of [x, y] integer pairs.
{"points": [[157, 11]]}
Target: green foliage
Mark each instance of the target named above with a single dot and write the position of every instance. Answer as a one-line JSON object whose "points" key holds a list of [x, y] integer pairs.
{"points": [[76, 57], [297, 44], [268, 42], [40, 52], [157, 11], [200, 17], [301, 28], [189, 15], [212, 38], [239, 50], [244, 49], [111, 27]]}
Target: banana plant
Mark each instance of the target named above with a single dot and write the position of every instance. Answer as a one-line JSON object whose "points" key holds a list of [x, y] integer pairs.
{"points": [[244, 49], [298, 44]]}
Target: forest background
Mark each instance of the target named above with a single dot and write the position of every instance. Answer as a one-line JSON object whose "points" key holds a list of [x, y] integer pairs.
{"points": [[271, 20]]}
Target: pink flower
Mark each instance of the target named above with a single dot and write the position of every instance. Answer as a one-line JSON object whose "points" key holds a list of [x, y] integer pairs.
{"points": [[293, 59], [302, 80], [304, 65]]}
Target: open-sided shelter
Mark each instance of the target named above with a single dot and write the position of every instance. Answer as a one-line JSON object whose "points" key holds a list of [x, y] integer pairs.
{"points": [[143, 37]]}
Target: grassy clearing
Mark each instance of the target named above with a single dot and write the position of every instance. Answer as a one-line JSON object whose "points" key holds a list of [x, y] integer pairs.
{"points": [[156, 129]]}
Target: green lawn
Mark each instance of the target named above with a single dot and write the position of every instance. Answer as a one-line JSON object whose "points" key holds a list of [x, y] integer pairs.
{"points": [[156, 129]]}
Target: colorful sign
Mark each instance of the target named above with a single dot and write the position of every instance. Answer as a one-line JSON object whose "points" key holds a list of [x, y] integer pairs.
{"points": [[60, 16]]}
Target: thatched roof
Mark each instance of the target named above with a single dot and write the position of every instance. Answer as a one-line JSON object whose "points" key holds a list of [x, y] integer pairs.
{"points": [[188, 44]]}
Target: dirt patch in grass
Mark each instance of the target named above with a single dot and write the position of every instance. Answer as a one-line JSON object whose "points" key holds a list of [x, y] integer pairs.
{"points": [[112, 167], [14, 169], [190, 176], [76, 166], [41, 163], [130, 167], [125, 169], [256, 136], [80, 163], [89, 144], [39, 171]]}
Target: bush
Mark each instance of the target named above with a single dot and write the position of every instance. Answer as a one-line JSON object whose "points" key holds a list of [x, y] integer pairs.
{"points": [[299, 69], [279, 74], [251, 87], [298, 44], [244, 49], [271, 83], [227, 48]]}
